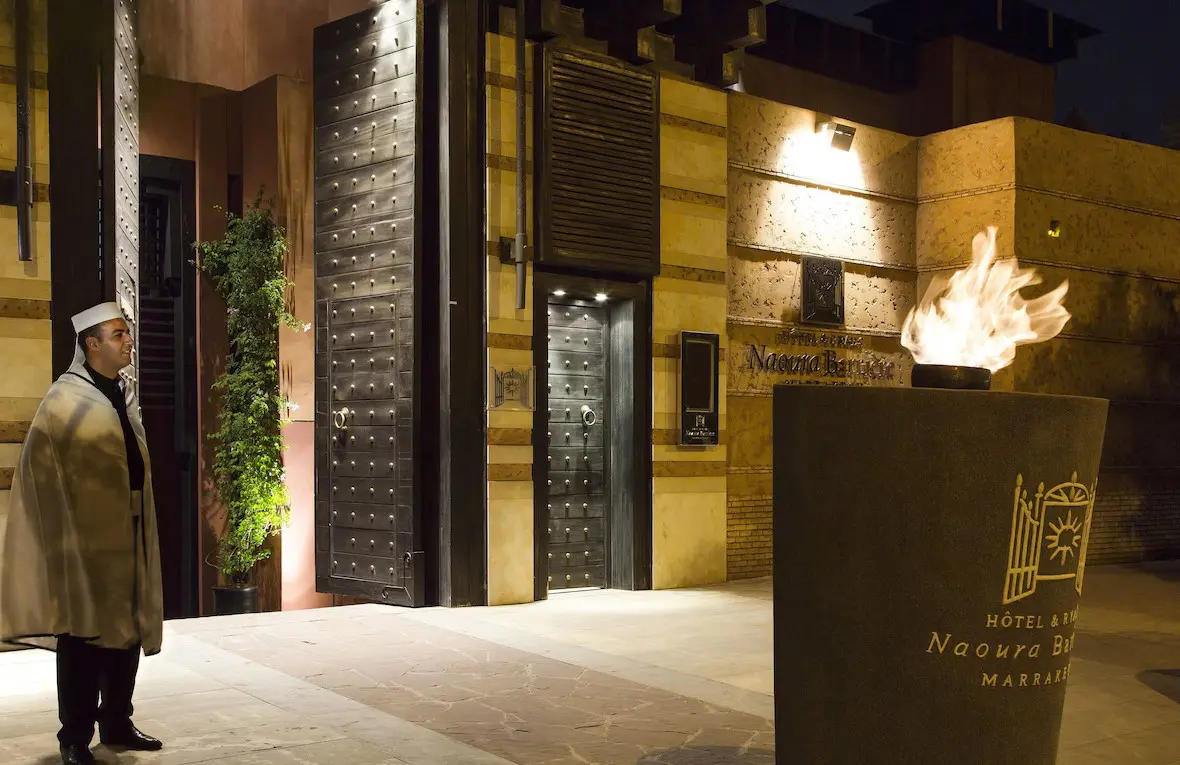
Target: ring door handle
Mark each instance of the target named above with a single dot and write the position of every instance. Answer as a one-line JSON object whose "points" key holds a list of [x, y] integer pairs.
{"points": [[588, 416], [340, 419]]}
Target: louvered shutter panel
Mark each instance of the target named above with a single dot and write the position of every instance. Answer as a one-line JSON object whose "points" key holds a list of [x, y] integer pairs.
{"points": [[599, 193]]}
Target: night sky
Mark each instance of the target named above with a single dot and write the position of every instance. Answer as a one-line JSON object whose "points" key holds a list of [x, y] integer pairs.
{"points": [[1123, 80]]}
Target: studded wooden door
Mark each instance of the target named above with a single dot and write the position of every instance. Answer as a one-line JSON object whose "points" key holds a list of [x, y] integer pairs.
{"points": [[119, 230], [367, 97], [577, 480]]}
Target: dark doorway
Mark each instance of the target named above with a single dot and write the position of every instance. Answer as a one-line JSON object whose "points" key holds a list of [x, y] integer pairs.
{"points": [[593, 467], [167, 368]]}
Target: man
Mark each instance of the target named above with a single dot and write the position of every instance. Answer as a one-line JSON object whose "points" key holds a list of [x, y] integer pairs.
{"points": [[80, 570]]}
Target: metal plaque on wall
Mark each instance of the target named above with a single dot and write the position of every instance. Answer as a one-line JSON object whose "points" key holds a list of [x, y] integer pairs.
{"points": [[699, 399], [512, 388], [823, 291]]}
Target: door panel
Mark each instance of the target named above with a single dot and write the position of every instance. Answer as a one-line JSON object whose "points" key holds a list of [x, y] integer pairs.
{"points": [[368, 534], [576, 482]]}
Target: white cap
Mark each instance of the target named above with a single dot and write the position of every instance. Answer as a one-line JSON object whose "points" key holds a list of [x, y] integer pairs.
{"points": [[92, 317]]}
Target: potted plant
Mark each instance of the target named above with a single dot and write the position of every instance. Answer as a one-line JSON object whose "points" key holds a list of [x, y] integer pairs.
{"points": [[246, 267]]}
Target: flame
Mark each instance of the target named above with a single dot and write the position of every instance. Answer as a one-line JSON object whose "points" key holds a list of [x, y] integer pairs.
{"points": [[977, 317]]}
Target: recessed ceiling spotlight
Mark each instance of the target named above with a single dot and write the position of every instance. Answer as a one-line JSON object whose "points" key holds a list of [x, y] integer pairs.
{"points": [[559, 293], [600, 297]]}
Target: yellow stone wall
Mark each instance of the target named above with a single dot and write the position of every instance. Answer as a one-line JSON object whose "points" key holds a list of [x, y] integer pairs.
{"points": [[689, 484], [749, 189], [510, 340], [24, 287], [966, 182], [790, 195], [1118, 207]]}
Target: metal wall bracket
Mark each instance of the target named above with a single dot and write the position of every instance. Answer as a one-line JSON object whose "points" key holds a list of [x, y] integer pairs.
{"points": [[506, 255]]}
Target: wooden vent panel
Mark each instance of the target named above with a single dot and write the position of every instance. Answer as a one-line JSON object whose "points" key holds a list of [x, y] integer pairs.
{"points": [[599, 186]]}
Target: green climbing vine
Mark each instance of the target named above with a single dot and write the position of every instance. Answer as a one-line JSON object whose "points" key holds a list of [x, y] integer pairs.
{"points": [[246, 267]]}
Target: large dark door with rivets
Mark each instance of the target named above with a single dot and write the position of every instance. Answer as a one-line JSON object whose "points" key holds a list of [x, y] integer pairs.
{"points": [[367, 101], [577, 481]]}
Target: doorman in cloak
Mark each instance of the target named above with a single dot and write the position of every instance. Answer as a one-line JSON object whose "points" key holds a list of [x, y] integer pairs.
{"points": [[80, 568]]}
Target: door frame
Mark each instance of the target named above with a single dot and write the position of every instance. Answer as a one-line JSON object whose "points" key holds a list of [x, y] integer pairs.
{"points": [[629, 530]]}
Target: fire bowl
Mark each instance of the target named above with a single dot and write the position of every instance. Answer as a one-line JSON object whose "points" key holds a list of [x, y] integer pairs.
{"points": [[929, 557], [950, 377]]}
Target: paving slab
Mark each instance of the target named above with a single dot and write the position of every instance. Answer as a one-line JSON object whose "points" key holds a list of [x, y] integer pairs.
{"points": [[680, 677]]}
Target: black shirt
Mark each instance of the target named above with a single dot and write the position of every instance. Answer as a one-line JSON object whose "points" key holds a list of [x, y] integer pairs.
{"points": [[114, 391]]}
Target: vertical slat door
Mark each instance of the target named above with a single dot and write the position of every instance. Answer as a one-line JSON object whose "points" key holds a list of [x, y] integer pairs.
{"points": [[366, 125], [599, 181]]}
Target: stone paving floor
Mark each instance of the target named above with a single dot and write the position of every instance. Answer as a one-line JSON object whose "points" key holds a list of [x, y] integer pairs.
{"points": [[668, 678]]}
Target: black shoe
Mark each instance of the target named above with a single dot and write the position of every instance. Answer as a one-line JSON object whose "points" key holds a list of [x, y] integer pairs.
{"points": [[130, 738], [74, 754]]}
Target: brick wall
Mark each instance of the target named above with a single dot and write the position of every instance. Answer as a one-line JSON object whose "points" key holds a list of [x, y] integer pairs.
{"points": [[1136, 517], [750, 537]]}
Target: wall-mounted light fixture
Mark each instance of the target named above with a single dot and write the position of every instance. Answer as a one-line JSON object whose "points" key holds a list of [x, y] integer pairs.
{"points": [[840, 133]]}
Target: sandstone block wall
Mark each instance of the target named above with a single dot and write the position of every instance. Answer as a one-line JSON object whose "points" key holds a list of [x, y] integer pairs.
{"points": [[792, 195], [1116, 205], [510, 337], [689, 484], [24, 287]]}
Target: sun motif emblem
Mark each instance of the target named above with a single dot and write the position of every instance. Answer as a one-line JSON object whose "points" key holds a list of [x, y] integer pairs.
{"points": [[1065, 537]]}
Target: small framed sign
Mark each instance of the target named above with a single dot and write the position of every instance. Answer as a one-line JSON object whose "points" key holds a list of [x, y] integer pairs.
{"points": [[512, 388], [699, 395]]}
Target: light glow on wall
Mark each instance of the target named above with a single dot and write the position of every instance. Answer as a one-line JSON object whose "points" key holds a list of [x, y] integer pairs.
{"points": [[803, 210], [809, 155]]}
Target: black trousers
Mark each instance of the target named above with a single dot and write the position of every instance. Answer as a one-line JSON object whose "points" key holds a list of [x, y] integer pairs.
{"points": [[86, 673]]}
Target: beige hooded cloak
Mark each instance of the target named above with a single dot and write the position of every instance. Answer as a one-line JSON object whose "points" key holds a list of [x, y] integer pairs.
{"points": [[73, 562]]}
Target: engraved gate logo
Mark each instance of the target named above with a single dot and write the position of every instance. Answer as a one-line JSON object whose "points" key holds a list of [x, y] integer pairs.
{"points": [[1047, 546], [1049, 538], [512, 386]]}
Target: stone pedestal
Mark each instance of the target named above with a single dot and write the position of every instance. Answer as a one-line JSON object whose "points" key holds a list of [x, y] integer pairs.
{"points": [[929, 550]]}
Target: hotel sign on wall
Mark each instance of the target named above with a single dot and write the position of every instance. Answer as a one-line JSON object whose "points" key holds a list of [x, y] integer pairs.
{"points": [[700, 411], [806, 356], [817, 351]]}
